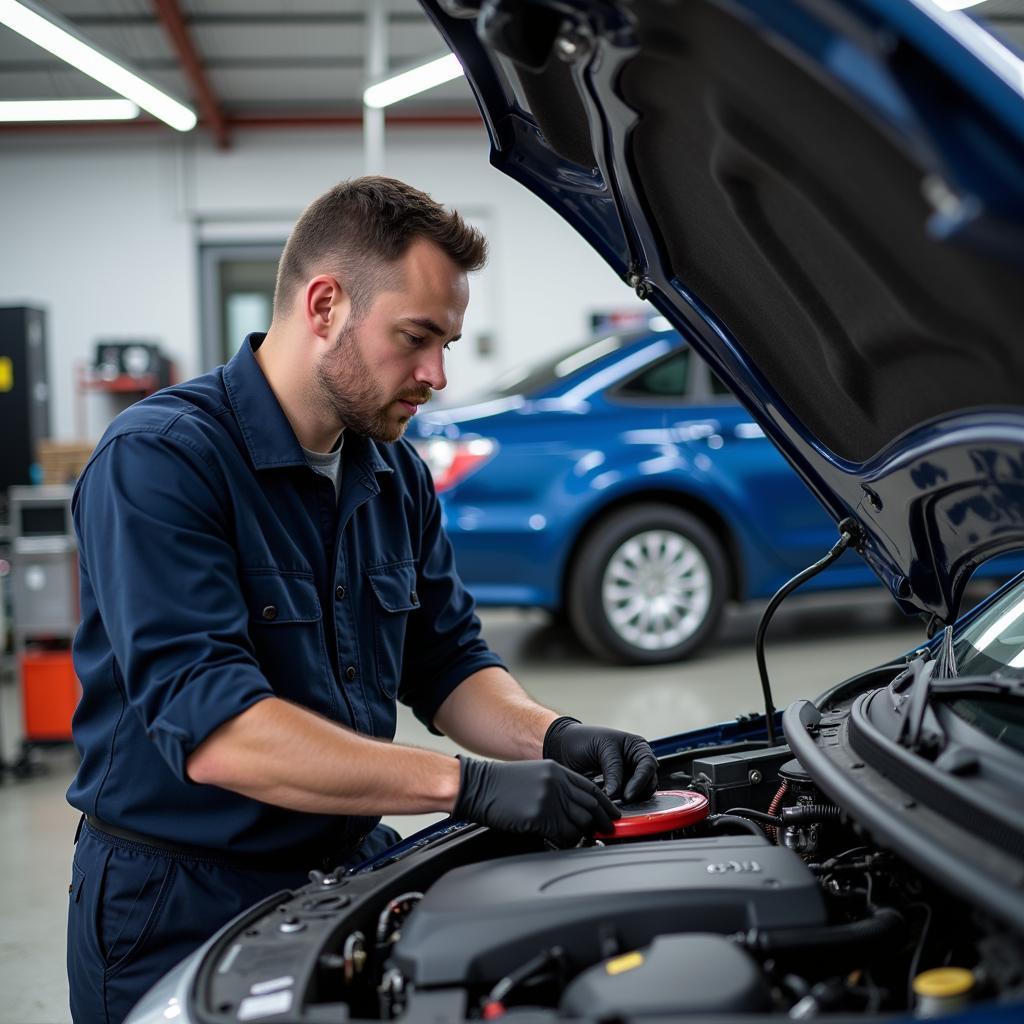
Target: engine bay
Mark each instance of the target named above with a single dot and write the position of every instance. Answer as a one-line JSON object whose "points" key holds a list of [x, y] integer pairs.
{"points": [[481, 922], [773, 899]]}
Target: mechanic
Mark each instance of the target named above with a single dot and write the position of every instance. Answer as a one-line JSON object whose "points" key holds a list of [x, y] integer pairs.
{"points": [[263, 572]]}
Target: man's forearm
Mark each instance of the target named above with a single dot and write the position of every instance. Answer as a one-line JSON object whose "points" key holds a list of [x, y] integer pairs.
{"points": [[285, 755], [490, 713]]}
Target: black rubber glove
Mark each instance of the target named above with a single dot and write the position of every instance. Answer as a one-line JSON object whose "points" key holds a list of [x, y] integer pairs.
{"points": [[532, 796], [621, 757]]}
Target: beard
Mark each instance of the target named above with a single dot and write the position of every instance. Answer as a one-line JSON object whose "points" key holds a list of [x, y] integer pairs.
{"points": [[343, 387]]}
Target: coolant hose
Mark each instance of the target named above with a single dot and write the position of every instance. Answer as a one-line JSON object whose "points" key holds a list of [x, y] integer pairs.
{"points": [[715, 821], [798, 814], [802, 813], [747, 812], [883, 923]]}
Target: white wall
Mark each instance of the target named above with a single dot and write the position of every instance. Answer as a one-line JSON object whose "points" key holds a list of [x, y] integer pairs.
{"points": [[103, 232]]}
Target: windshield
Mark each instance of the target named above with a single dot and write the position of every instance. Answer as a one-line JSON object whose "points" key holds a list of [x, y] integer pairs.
{"points": [[992, 29], [526, 380], [1003, 19], [994, 641], [993, 644]]}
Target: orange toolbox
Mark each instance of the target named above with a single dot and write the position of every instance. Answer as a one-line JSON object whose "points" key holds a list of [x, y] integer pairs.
{"points": [[49, 695]]}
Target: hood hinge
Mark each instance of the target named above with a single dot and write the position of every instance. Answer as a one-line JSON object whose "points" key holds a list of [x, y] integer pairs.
{"points": [[637, 279]]}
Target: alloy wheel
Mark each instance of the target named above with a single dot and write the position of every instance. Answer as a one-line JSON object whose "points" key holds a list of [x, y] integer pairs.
{"points": [[656, 589]]}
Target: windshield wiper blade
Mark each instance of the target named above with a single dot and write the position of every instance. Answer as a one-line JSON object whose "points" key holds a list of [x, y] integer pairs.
{"points": [[921, 672], [925, 683], [980, 686]]}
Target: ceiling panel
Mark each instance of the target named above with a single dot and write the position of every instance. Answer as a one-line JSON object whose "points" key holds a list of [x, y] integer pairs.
{"points": [[256, 42], [259, 87], [75, 8], [133, 41], [321, 90], [62, 84], [129, 29], [287, 7], [280, 57]]}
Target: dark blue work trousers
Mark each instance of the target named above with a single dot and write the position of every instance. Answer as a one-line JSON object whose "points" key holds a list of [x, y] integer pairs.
{"points": [[136, 911]]}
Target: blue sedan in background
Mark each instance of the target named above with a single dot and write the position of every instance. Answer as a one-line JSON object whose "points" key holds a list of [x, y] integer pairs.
{"points": [[623, 484]]}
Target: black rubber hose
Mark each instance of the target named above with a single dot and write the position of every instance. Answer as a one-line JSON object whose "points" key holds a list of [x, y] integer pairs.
{"points": [[849, 534], [735, 821], [799, 814], [883, 924], [746, 812]]}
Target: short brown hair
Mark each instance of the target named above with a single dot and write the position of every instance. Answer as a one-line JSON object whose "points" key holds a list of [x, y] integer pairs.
{"points": [[359, 227]]}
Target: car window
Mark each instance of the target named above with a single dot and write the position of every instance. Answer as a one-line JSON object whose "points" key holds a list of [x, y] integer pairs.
{"points": [[525, 380], [667, 378], [718, 387]]}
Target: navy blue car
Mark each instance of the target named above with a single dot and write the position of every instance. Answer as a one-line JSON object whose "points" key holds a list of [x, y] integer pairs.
{"points": [[623, 484]]}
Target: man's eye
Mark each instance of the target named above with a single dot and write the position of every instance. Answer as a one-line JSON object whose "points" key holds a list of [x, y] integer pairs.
{"points": [[414, 339]]}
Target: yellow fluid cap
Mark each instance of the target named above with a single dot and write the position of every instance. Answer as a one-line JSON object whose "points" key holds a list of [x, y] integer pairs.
{"points": [[621, 964], [944, 982]]}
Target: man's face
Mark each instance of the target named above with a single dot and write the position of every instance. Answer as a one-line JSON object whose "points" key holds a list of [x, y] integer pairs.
{"points": [[383, 367]]}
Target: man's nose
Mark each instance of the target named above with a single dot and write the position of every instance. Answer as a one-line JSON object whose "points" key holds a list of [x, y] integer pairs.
{"points": [[430, 370]]}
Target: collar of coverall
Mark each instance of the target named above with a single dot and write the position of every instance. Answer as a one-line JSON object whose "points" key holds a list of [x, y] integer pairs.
{"points": [[268, 435]]}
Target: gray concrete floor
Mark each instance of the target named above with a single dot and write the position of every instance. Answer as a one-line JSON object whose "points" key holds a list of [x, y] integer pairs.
{"points": [[813, 643]]}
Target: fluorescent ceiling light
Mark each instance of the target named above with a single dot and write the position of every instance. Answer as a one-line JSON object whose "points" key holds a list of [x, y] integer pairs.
{"points": [[67, 110], [409, 83], [62, 40], [956, 5]]}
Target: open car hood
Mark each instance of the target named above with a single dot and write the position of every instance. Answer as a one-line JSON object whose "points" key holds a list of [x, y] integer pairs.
{"points": [[826, 197]]}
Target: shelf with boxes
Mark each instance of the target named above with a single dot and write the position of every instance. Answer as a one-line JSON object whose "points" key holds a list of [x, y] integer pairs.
{"points": [[61, 462]]}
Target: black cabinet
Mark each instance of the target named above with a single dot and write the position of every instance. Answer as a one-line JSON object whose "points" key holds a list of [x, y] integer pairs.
{"points": [[24, 392]]}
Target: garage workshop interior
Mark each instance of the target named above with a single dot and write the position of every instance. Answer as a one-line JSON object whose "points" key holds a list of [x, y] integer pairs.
{"points": [[723, 442]]}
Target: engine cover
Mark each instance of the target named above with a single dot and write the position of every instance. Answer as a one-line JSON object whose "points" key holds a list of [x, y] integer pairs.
{"points": [[478, 922]]}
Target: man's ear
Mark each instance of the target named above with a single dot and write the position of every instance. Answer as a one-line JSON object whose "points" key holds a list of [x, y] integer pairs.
{"points": [[326, 306]]}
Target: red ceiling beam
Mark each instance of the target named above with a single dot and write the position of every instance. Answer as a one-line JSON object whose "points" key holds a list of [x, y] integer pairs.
{"points": [[209, 108]]}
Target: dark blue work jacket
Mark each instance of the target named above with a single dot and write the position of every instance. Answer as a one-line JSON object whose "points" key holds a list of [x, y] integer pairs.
{"points": [[218, 569]]}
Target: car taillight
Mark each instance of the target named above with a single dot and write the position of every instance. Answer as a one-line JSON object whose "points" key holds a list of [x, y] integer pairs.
{"points": [[450, 462]]}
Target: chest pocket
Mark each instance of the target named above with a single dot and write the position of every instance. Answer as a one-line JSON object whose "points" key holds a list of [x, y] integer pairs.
{"points": [[394, 587], [286, 631]]}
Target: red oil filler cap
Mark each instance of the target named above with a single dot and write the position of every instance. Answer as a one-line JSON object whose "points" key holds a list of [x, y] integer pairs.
{"points": [[667, 811]]}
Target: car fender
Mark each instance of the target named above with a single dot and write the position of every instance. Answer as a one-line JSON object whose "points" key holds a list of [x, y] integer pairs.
{"points": [[674, 473]]}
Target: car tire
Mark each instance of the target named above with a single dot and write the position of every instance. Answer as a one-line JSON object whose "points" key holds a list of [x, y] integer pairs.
{"points": [[647, 586]]}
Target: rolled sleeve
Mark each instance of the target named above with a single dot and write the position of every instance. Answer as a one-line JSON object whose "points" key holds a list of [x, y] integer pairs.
{"points": [[444, 632], [156, 545], [198, 710]]}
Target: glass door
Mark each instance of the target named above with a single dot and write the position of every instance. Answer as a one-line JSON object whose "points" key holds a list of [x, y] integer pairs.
{"points": [[237, 295]]}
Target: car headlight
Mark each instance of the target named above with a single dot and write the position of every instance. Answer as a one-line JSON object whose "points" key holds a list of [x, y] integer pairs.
{"points": [[450, 462]]}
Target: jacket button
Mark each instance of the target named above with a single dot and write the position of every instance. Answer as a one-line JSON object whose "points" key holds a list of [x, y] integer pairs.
{"points": [[350, 673], [270, 612], [339, 593]]}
